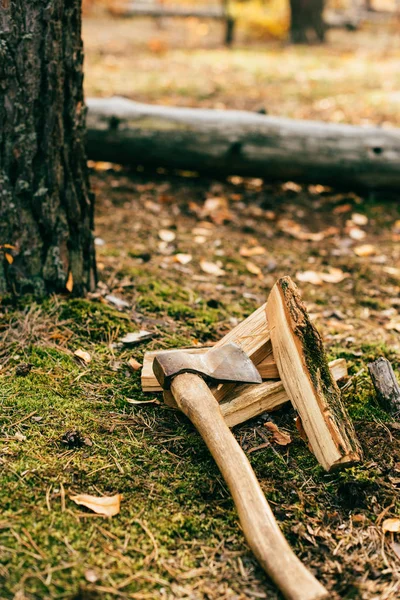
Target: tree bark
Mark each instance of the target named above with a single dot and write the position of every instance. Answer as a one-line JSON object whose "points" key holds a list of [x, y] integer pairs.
{"points": [[385, 384], [306, 19], [232, 142], [46, 208]]}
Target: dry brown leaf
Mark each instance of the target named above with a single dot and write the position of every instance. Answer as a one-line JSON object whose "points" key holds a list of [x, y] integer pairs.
{"points": [[254, 251], [359, 219], [70, 282], [83, 355], [393, 326], [392, 525], [134, 364], [253, 269], [342, 208], [365, 250], [280, 437], [109, 506], [211, 268], [182, 259], [217, 209], [334, 276], [356, 233], [166, 235], [309, 277]]}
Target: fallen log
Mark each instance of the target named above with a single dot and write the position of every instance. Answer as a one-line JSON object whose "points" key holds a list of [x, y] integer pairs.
{"points": [[304, 370], [232, 142], [385, 384]]}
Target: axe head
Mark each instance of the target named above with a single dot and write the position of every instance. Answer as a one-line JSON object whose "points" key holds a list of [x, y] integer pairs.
{"points": [[227, 363]]}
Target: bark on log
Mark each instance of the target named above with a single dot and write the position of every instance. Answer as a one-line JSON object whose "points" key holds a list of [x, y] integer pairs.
{"points": [[46, 208], [231, 142], [302, 364], [385, 384]]}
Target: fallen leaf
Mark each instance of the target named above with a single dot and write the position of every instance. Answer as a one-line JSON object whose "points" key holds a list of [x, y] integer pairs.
{"points": [[183, 259], [217, 209], [295, 230], [118, 302], [309, 277], [365, 250], [83, 355], [132, 338], [166, 235], [356, 233], [254, 251], [393, 326], [342, 208], [211, 268], [359, 219], [108, 506], [133, 401], [199, 239], [134, 364], [70, 282], [253, 269], [392, 525], [392, 271], [334, 276], [9, 258], [280, 437]]}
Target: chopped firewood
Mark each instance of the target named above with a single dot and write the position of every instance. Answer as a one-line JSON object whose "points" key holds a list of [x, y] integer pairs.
{"points": [[239, 402], [305, 374], [385, 384]]}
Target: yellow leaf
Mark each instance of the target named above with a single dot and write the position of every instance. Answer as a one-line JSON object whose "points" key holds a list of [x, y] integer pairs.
{"points": [[108, 506], [70, 282], [280, 437], [84, 356], [9, 258], [392, 525]]}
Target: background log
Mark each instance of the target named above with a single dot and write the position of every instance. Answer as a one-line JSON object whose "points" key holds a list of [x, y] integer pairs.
{"points": [[385, 384], [232, 142]]}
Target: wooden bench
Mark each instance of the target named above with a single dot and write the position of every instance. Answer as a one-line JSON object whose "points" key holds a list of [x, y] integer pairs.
{"points": [[158, 10]]}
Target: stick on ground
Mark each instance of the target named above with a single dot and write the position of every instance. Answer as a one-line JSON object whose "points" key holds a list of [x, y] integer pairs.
{"points": [[305, 374]]}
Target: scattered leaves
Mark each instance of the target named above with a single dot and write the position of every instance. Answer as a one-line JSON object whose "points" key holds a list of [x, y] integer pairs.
{"points": [[280, 437], [109, 506], [318, 277], [211, 268], [83, 356]]}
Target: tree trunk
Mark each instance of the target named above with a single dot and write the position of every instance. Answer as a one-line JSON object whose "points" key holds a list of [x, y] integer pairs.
{"points": [[46, 208], [306, 18], [235, 142]]}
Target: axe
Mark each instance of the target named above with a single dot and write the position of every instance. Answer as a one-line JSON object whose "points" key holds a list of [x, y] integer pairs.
{"points": [[186, 376]]}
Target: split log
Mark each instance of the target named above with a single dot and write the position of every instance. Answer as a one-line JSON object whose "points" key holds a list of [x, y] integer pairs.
{"points": [[305, 374], [385, 384], [233, 142]]}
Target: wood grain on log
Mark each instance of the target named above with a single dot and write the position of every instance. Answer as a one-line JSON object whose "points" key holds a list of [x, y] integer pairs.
{"points": [[304, 370], [385, 384], [233, 142]]}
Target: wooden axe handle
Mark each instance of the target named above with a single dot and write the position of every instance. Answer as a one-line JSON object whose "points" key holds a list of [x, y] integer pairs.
{"points": [[262, 532]]}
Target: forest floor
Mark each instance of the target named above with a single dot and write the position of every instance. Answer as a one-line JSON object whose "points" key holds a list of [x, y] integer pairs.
{"points": [[178, 250]]}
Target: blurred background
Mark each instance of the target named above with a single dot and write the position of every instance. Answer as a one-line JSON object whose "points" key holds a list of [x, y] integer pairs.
{"points": [[352, 76]]}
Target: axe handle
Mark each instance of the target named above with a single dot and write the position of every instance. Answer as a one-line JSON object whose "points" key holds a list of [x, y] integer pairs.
{"points": [[262, 532]]}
